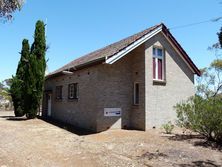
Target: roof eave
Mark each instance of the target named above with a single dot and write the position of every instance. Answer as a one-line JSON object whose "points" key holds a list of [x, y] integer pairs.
{"points": [[161, 28], [112, 59], [181, 50], [76, 68], [132, 46]]}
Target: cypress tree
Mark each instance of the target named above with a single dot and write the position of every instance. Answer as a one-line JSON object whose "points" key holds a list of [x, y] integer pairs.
{"points": [[17, 88], [16, 96], [31, 103], [27, 85], [36, 72]]}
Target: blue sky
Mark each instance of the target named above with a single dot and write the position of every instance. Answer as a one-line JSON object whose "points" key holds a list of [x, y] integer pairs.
{"points": [[76, 27]]}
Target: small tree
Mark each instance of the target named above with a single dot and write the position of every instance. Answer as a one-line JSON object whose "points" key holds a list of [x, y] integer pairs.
{"points": [[5, 91], [202, 115], [203, 112]]}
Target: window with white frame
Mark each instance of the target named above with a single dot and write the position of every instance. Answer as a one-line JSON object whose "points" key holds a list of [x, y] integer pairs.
{"points": [[58, 92], [73, 91], [136, 93], [158, 64]]}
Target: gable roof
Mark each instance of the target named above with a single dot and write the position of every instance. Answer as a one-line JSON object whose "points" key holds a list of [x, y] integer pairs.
{"points": [[118, 49]]}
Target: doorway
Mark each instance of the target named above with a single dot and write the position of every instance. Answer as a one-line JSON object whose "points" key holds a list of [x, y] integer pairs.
{"points": [[49, 105]]}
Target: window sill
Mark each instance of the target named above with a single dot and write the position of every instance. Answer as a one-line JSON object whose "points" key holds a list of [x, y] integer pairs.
{"points": [[73, 99], [159, 82], [59, 100]]}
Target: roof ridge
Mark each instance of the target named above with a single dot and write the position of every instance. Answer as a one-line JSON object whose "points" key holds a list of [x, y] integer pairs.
{"points": [[115, 46]]}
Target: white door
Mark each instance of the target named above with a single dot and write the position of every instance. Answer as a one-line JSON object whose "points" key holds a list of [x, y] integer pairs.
{"points": [[49, 105]]}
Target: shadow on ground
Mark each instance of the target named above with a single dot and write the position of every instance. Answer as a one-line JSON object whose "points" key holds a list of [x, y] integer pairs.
{"points": [[68, 127], [150, 156], [182, 137], [207, 163], [13, 118], [76, 130], [197, 140]]}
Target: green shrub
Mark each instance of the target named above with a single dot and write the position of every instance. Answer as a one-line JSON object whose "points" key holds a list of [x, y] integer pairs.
{"points": [[202, 115], [168, 127]]}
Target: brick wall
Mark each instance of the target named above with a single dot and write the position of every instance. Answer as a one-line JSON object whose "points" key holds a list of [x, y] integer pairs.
{"points": [[160, 99], [102, 86], [111, 86], [116, 91], [80, 112]]}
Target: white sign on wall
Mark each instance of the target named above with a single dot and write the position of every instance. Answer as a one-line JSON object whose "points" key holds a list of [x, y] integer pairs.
{"points": [[112, 112]]}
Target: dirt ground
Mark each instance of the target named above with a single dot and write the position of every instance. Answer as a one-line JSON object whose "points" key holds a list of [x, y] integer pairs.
{"points": [[38, 143]]}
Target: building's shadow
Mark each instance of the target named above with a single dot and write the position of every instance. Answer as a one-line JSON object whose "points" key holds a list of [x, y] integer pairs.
{"points": [[197, 140], [76, 130], [13, 118], [68, 127], [207, 163]]}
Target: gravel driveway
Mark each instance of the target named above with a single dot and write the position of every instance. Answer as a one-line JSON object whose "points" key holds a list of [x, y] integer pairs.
{"points": [[38, 143]]}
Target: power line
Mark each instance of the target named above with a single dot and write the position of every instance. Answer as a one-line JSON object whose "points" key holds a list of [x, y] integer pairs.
{"points": [[196, 23]]}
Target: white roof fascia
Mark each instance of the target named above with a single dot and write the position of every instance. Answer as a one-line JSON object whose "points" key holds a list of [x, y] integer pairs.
{"points": [[137, 43], [67, 72], [178, 52]]}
